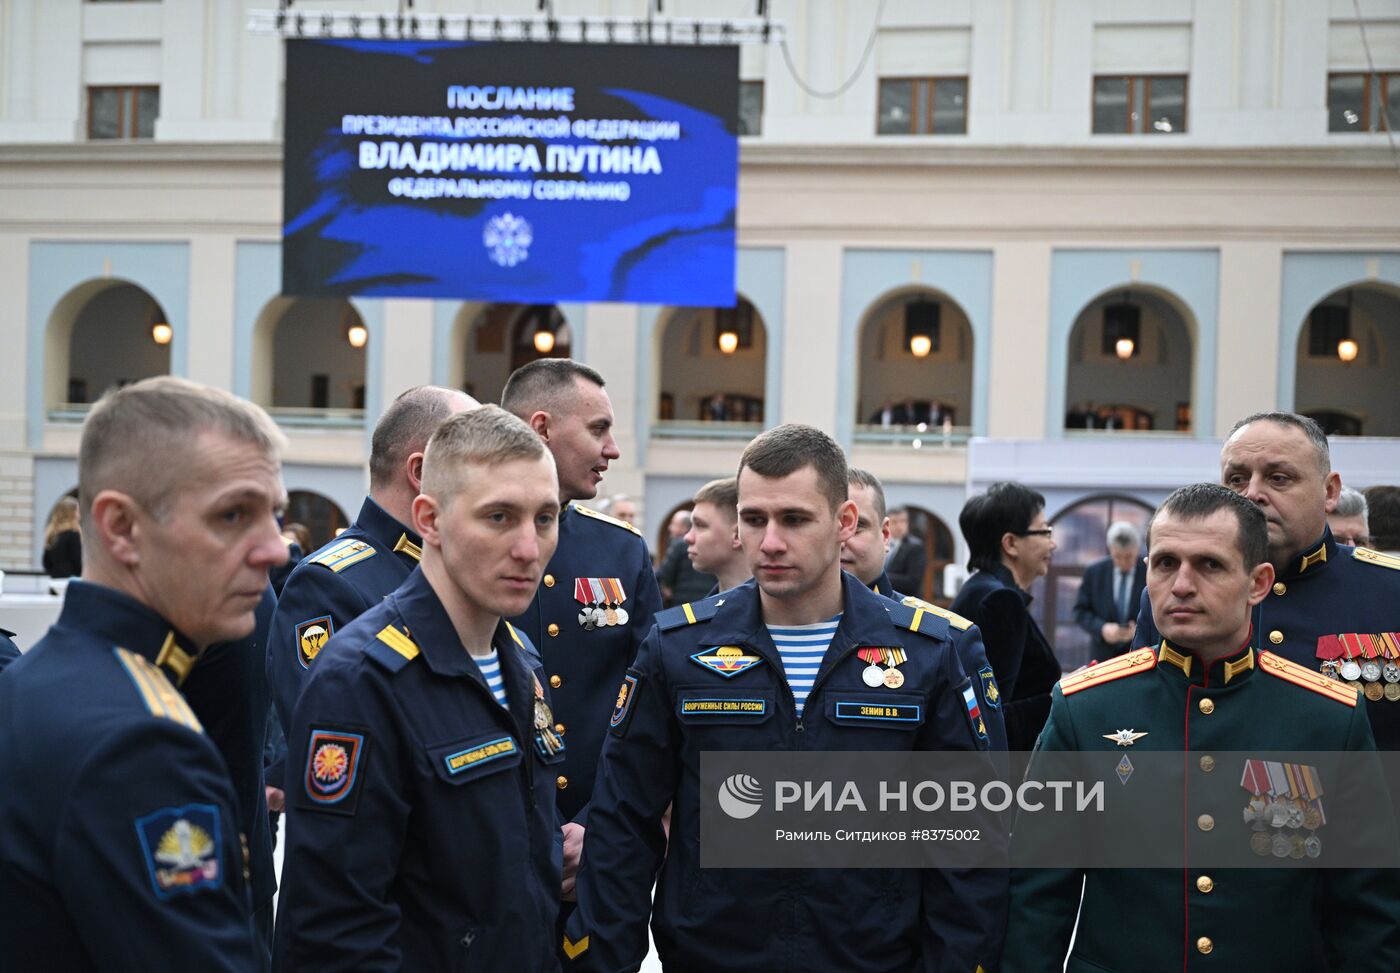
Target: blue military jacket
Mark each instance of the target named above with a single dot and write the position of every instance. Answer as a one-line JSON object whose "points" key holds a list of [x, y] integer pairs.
{"points": [[9, 652], [780, 921], [585, 662], [119, 843], [1143, 920], [1328, 590], [327, 591], [967, 643], [421, 818]]}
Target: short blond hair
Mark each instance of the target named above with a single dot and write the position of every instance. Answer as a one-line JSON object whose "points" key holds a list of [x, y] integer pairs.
{"points": [[723, 494], [137, 439], [485, 436]]}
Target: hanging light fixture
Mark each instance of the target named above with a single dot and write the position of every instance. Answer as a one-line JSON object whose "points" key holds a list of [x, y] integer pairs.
{"points": [[544, 341], [1123, 348], [921, 321], [161, 333], [357, 334], [728, 342], [1347, 350], [920, 345]]}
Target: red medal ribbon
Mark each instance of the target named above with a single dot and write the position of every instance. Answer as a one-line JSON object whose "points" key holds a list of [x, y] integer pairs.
{"points": [[1329, 648]]}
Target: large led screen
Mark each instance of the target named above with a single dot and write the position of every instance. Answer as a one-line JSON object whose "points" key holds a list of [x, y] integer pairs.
{"points": [[524, 172]]}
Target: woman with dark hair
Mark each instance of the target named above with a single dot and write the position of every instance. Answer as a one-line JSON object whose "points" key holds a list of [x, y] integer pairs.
{"points": [[1011, 546], [63, 541]]}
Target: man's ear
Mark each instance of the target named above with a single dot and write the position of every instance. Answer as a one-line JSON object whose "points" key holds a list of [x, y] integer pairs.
{"points": [[114, 516], [847, 518], [1261, 579], [425, 519], [1333, 487], [413, 469], [734, 541], [885, 533], [539, 421]]}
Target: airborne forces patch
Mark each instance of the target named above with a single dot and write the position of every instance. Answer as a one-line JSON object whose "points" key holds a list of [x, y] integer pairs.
{"points": [[311, 636]]}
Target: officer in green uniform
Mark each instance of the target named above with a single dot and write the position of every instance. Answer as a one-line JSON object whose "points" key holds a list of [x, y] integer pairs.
{"points": [[1331, 608], [1206, 690]]}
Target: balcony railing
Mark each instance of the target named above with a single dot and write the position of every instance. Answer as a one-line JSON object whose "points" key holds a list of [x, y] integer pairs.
{"points": [[918, 436], [318, 418], [680, 429]]}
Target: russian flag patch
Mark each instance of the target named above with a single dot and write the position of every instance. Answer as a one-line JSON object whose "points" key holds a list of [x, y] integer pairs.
{"points": [[974, 712]]}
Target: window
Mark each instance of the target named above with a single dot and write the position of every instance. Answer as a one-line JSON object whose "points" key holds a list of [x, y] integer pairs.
{"points": [[923, 106], [1139, 105], [750, 107], [1360, 102], [123, 113]]}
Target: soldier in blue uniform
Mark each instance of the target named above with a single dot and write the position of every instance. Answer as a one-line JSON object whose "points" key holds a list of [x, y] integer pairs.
{"points": [[1331, 608], [119, 838], [1206, 693], [599, 596], [764, 641], [353, 572], [863, 555], [421, 824]]}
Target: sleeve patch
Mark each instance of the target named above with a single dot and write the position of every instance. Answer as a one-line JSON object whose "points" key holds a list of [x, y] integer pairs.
{"points": [[990, 691], [622, 710], [333, 761], [312, 636], [180, 846], [974, 713]]}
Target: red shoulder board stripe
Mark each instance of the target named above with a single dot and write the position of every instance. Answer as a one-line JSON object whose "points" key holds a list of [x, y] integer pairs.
{"points": [[1276, 665], [1117, 668]]}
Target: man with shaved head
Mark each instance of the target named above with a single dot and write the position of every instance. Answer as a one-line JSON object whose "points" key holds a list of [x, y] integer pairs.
{"points": [[1331, 608], [371, 558], [120, 844]]}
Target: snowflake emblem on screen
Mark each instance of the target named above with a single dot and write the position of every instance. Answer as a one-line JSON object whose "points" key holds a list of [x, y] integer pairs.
{"points": [[507, 238]]}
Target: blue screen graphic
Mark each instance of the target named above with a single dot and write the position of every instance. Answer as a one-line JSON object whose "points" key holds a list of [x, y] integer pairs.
{"points": [[511, 172]]}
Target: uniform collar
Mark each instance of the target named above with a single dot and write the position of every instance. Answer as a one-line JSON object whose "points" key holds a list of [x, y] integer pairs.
{"points": [[738, 618], [882, 586], [432, 630], [1222, 672], [388, 533], [1003, 574], [1313, 558], [123, 621]]}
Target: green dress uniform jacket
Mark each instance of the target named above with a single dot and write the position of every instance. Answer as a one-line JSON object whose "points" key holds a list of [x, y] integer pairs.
{"points": [[1200, 919]]}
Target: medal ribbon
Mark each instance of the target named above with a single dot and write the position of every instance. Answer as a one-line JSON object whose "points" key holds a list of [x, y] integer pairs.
{"points": [[1312, 785], [614, 586], [600, 597], [1351, 643], [1329, 648], [1255, 778], [897, 657], [583, 591], [1371, 646], [869, 656], [1392, 644], [1295, 791], [1278, 780]]}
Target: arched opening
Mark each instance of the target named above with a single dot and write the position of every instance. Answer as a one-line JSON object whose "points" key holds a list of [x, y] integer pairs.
{"points": [[928, 527], [915, 354], [318, 513], [1345, 374], [1131, 361], [103, 334], [309, 359], [712, 366], [1080, 531], [499, 338]]}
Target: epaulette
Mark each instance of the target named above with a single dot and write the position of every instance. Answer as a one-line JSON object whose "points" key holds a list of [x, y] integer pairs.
{"points": [[954, 619], [918, 618], [340, 554], [392, 649], [160, 697], [1368, 556], [1277, 665], [590, 512], [687, 614], [1109, 670]]}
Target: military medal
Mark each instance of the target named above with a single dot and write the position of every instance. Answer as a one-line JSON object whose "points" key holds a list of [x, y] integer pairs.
{"points": [[1255, 780], [882, 667], [1260, 843], [1371, 670], [1351, 672], [1296, 847], [1329, 650], [622, 616], [1390, 672], [1312, 846], [546, 739], [1280, 846], [872, 675], [1351, 668], [1391, 691], [1374, 691], [893, 678]]}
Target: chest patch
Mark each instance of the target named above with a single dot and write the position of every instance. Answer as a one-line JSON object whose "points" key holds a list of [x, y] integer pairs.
{"points": [[727, 660]]}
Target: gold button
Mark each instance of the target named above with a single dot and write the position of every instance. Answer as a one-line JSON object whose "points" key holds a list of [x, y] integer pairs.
{"points": [[555, 682], [1276, 637], [561, 782], [1204, 945], [553, 630], [1280, 588], [1207, 763], [1204, 885], [549, 582], [558, 727], [1207, 706], [1205, 822]]}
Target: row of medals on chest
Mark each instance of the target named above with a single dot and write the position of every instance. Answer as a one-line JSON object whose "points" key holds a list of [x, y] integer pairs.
{"points": [[1278, 813], [1375, 679]]}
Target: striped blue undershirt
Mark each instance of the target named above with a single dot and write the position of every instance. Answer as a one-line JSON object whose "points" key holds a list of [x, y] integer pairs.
{"points": [[491, 669], [802, 648]]}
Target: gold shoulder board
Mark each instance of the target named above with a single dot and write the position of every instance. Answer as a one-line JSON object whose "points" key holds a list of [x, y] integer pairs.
{"points": [[954, 619], [590, 512], [1376, 557], [1107, 671], [1277, 665]]}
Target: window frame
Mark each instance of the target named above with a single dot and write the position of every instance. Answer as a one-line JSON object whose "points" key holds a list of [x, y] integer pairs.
{"points": [[925, 83], [128, 104], [1146, 81], [1368, 79], [762, 104]]}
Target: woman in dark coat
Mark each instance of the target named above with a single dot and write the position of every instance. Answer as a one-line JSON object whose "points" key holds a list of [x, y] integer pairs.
{"points": [[1011, 546], [63, 544]]}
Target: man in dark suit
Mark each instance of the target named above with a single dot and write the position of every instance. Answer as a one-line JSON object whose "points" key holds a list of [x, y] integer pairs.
{"points": [[1108, 595], [907, 558]]}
